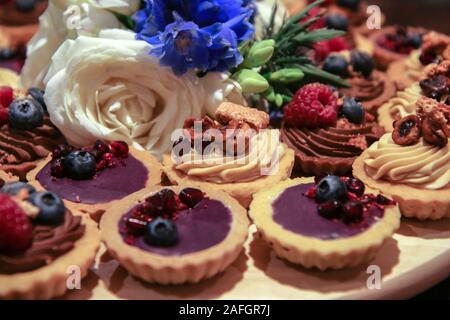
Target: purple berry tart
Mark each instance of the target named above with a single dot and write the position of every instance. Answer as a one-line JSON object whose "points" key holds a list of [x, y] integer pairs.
{"points": [[174, 235], [333, 224], [94, 179]]}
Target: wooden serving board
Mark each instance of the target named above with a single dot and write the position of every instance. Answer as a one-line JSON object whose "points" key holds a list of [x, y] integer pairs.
{"points": [[415, 259]]}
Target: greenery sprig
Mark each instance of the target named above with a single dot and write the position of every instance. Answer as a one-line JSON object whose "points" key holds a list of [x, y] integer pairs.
{"points": [[275, 67]]}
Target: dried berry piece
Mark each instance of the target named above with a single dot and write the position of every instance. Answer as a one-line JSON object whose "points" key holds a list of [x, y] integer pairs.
{"points": [[407, 130], [435, 87], [433, 133]]}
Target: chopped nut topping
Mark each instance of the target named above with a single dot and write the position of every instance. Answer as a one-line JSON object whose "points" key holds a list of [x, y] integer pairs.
{"points": [[228, 111]]}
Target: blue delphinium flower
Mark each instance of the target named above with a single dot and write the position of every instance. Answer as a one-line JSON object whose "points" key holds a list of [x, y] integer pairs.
{"points": [[195, 34]]}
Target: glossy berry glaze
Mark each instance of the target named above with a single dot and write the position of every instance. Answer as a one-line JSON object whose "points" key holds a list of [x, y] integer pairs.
{"points": [[126, 177], [207, 224], [297, 213]]}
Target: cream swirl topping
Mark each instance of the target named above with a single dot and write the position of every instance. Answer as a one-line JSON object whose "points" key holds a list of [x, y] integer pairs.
{"points": [[404, 103], [421, 165], [262, 158], [413, 65]]}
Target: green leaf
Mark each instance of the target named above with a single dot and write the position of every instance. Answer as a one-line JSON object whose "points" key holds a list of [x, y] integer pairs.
{"points": [[320, 74], [308, 38], [260, 53], [127, 21]]}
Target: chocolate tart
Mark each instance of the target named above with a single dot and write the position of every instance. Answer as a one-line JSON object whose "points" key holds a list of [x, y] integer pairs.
{"points": [[211, 236], [41, 271], [329, 150], [414, 201], [109, 187], [372, 91], [288, 220], [383, 56], [241, 191]]}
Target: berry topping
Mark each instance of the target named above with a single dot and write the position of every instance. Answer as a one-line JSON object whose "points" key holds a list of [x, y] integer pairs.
{"points": [[80, 165], [314, 105], [100, 148], [135, 226], [361, 62], [6, 96], [6, 54], [331, 188], [353, 110], [13, 188], [337, 21], [355, 186], [119, 149], [191, 196], [25, 114], [337, 65], [161, 232], [57, 168], [163, 202], [61, 151], [38, 95], [407, 131], [323, 48], [401, 41], [352, 211], [16, 231], [435, 87], [384, 201], [330, 209], [416, 40], [51, 207], [4, 115], [349, 4], [427, 57], [25, 6]]}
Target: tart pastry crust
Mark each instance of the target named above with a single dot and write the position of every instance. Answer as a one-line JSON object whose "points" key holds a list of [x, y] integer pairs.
{"points": [[7, 177], [414, 202], [50, 281], [241, 191], [313, 252], [96, 210], [191, 267]]}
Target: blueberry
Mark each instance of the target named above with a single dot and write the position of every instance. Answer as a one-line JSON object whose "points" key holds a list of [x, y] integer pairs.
{"points": [[25, 5], [353, 110], [51, 207], [25, 114], [161, 232], [337, 21], [331, 188], [6, 54], [349, 4], [362, 62], [13, 188], [416, 40], [79, 165], [38, 95], [336, 64]]}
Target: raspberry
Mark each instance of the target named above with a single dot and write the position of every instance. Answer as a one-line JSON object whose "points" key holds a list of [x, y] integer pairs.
{"points": [[4, 117], [314, 105], [16, 231], [312, 14], [6, 96], [323, 48]]}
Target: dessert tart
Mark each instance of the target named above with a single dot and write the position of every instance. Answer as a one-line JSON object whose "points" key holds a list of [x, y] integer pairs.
{"points": [[408, 71], [40, 241], [395, 43], [6, 177], [26, 132], [434, 84], [327, 133], [91, 180], [331, 225], [9, 78], [412, 164], [371, 87], [239, 169], [173, 235]]}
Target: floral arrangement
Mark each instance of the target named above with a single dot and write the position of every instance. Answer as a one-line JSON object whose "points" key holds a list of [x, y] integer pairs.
{"points": [[135, 70]]}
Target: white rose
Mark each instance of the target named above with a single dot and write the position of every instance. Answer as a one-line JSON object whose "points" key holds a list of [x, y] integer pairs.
{"points": [[111, 89], [67, 19]]}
